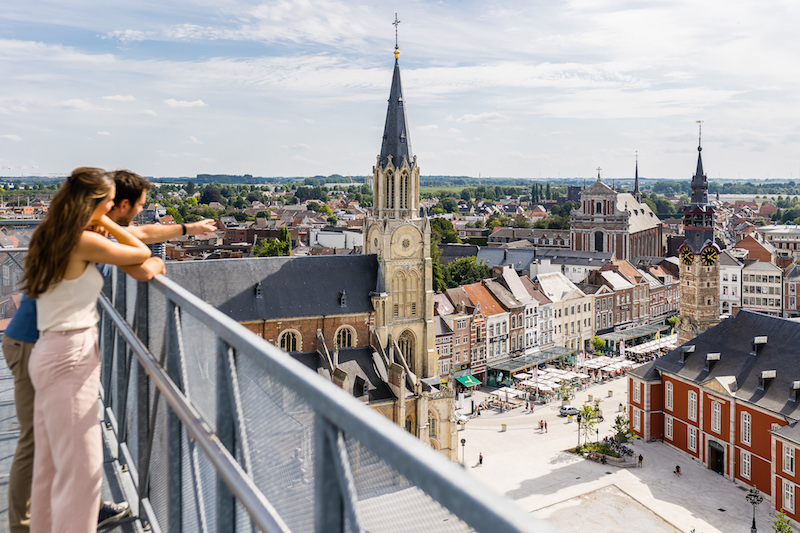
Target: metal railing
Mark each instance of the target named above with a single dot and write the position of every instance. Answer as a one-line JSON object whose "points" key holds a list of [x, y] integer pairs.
{"points": [[219, 430]]}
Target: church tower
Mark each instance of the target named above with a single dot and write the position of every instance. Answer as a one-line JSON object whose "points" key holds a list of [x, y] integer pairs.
{"points": [[699, 258], [402, 241]]}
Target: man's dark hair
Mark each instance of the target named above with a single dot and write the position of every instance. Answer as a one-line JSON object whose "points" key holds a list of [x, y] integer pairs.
{"points": [[129, 186]]}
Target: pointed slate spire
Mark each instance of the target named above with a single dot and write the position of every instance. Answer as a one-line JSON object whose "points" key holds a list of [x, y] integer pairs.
{"points": [[699, 180], [636, 193], [396, 142]]}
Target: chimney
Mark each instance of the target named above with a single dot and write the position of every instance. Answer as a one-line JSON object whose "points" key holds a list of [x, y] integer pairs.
{"points": [[686, 351], [794, 395], [758, 341], [766, 377], [711, 360]]}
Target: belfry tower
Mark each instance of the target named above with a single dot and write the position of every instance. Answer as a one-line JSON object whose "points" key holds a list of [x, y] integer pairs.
{"points": [[402, 241], [699, 255]]}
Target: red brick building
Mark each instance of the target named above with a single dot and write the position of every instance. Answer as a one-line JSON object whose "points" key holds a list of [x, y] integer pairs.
{"points": [[729, 399]]}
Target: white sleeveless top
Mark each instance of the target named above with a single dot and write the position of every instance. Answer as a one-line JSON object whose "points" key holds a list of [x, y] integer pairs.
{"points": [[72, 303]]}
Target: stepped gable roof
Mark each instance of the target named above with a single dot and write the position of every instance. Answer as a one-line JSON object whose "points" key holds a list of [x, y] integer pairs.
{"points": [[291, 287], [357, 362], [396, 142], [739, 365]]}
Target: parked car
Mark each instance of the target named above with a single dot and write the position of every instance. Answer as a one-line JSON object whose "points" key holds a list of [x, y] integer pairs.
{"points": [[568, 410], [461, 418]]}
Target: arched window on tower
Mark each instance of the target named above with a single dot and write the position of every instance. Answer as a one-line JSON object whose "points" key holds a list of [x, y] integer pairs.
{"points": [[599, 209], [399, 291], [406, 344], [389, 190], [598, 241], [404, 190], [411, 293], [432, 420]]}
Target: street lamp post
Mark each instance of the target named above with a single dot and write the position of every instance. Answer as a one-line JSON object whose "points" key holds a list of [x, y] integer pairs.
{"points": [[463, 444], [579, 430], [755, 498]]}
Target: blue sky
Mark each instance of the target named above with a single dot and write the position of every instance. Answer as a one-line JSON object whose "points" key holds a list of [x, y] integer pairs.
{"points": [[528, 89]]}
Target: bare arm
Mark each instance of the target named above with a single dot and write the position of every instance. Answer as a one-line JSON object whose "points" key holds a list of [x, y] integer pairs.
{"points": [[153, 233], [147, 270], [128, 250]]}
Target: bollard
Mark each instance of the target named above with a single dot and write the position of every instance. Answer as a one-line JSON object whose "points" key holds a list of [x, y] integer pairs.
{"points": [[591, 397], [502, 428], [610, 393]]}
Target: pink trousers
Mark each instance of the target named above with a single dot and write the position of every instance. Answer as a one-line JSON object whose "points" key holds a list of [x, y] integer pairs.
{"points": [[68, 463]]}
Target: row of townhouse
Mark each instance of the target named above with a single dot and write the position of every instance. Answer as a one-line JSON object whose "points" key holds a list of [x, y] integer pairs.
{"points": [[730, 400], [626, 296], [481, 323], [512, 316]]}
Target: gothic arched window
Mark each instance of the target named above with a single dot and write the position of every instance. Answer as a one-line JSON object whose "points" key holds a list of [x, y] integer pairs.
{"points": [[599, 209], [290, 341], [406, 343], [432, 419], [344, 337], [389, 190]]}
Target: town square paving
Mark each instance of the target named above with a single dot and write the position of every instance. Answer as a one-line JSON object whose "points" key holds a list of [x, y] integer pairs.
{"points": [[533, 469]]}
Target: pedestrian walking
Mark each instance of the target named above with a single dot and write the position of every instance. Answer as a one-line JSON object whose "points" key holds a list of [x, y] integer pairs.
{"points": [[480, 459], [545, 426], [677, 471], [640, 460]]}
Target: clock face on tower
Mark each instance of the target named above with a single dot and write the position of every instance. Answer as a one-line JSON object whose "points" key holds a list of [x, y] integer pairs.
{"points": [[687, 256], [709, 256]]}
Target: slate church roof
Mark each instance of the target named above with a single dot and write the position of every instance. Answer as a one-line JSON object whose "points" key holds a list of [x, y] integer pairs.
{"points": [[266, 288]]}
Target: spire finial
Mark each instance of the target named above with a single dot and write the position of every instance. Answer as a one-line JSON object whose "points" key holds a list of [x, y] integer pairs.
{"points": [[700, 136], [396, 23], [598, 174]]}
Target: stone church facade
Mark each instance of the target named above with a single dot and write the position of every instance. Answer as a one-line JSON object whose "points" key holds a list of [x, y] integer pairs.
{"points": [[609, 221]]}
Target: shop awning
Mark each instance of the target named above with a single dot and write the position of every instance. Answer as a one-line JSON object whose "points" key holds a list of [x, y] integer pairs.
{"points": [[469, 380]]}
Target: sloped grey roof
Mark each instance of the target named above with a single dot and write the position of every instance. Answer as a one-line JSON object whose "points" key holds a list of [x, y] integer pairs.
{"points": [[574, 257], [354, 361], [290, 286], [451, 252], [519, 258], [733, 340]]}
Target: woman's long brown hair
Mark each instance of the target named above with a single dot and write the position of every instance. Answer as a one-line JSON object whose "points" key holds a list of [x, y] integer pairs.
{"points": [[70, 212]]}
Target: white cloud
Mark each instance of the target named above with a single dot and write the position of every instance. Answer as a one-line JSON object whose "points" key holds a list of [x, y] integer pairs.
{"points": [[104, 133], [148, 112], [11, 137], [194, 140], [480, 117], [120, 98], [300, 146], [429, 127], [76, 103], [184, 103]]}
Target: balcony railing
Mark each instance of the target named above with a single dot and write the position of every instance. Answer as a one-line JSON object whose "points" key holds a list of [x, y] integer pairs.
{"points": [[214, 429], [219, 430]]}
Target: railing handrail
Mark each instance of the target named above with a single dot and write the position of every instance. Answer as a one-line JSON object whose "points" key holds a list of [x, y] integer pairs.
{"points": [[443, 481], [237, 480]]}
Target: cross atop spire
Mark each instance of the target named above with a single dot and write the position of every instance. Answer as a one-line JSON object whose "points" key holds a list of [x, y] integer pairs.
{"points": [[396, 23], [598, 174], [699, 180]]}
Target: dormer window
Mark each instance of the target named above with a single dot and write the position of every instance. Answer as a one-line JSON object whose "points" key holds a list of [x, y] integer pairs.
{"points": [[343, 299], [258, 290], [402, 137]]}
